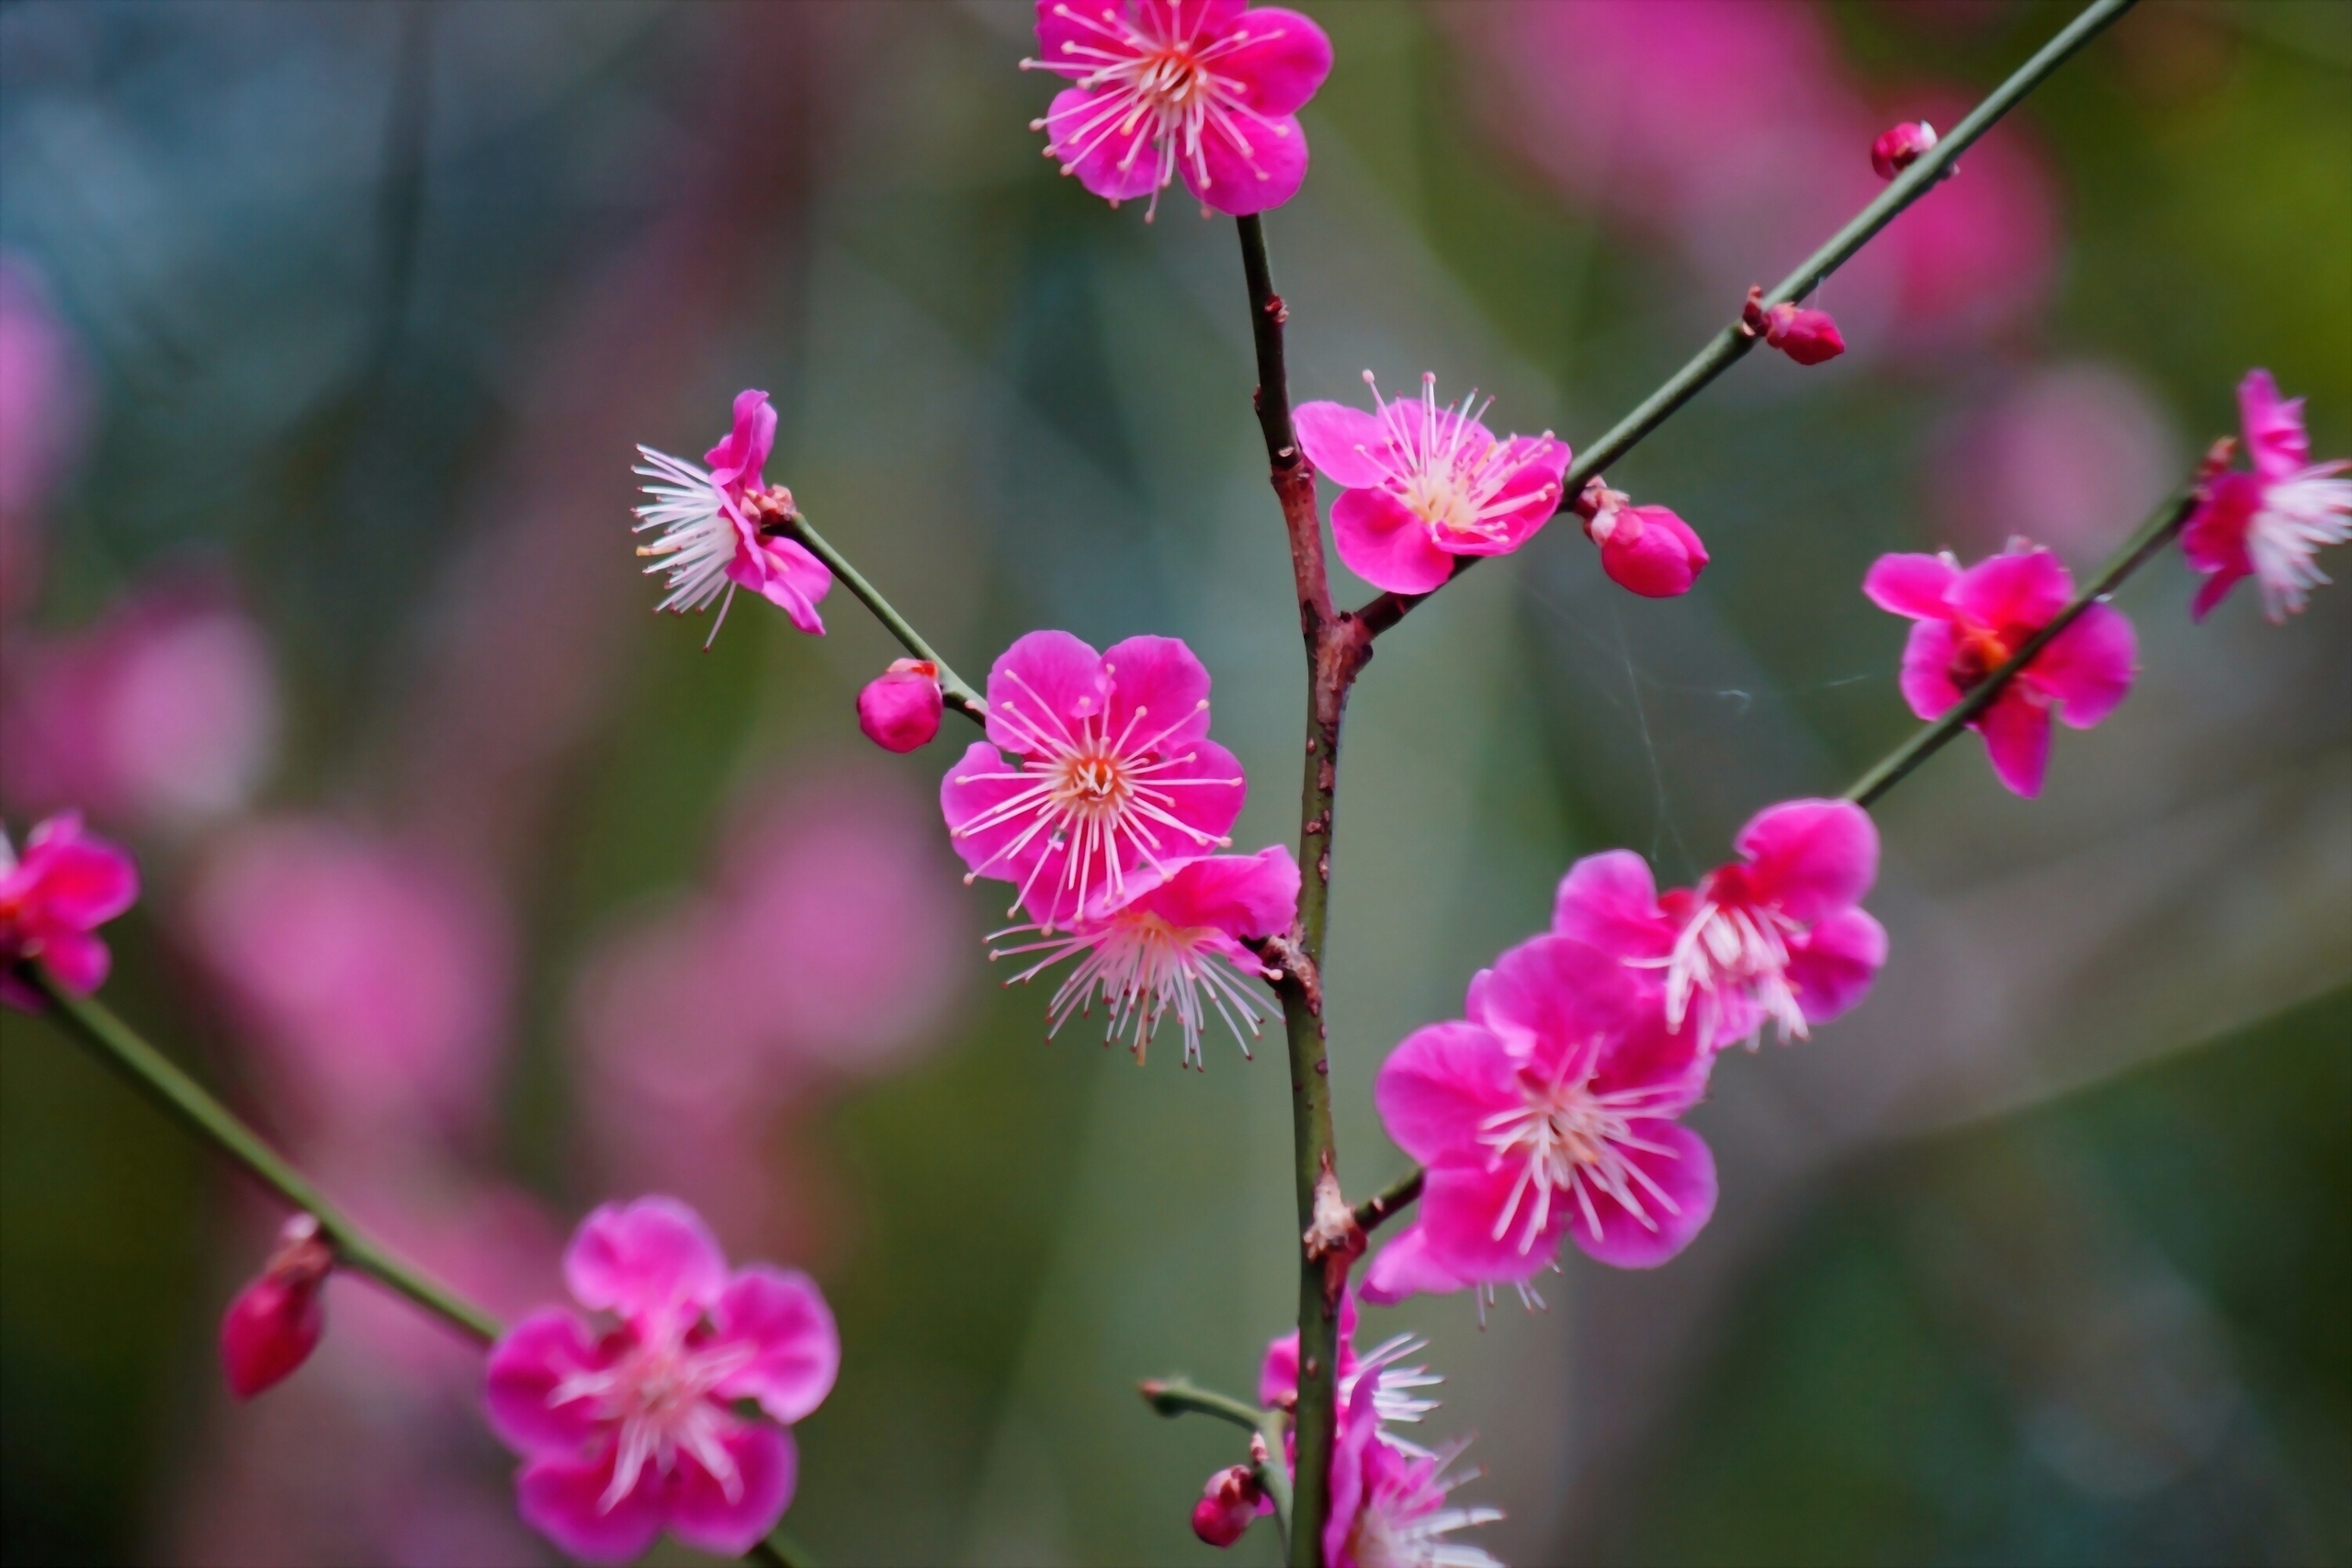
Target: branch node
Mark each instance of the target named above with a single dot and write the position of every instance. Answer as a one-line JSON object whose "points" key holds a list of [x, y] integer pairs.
{"points": [[1333, 1239]]}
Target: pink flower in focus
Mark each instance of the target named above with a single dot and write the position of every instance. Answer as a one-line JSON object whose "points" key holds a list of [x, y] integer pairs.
{"points": [[1645, 550], [164, 711], [1116, 773], [1390, 1507], [1971, 622], [1230, 1502], [1205, 88], [900, 709], [1425, 484], [710, 541], [1779, 935], [375, 978], [274, 1322], [1165, 948], [1898, 148], [2268, 524], [630, 1429], [1551, 1109], [67, 883]]}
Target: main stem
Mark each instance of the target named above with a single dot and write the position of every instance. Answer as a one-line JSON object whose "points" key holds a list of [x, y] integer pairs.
{"points": [[1337, 646], [1727, 347]]}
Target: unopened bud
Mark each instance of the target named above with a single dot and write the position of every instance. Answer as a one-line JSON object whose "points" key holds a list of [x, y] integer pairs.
{"points": [[274, 1322], [1898, 149], [1806, 336], [1228, 1502], [899, 709], [1646, 549]]}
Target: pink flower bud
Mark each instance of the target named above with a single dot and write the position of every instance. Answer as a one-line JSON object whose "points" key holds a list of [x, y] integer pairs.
{"points": [[899, 709], [274, 1322], [1806, 336], [1646, 549], [1230, 1500], [1898, 149]]}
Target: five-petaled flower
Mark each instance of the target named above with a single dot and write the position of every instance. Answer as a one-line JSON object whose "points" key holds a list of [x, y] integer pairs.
{"points": [[52, 900], [1116, 773], [1549, 1111], [1206, 89], [710, 541], [2268, 525], [636, 1426], [1425, 484], [1971, 622], [1777, 935], [1177, 947]]}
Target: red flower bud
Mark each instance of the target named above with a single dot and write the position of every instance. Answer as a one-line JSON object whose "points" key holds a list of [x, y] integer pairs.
{"points": [[274, 1322], [1646, 549], [899, 709], [1230, 1500], [1898, 149]]}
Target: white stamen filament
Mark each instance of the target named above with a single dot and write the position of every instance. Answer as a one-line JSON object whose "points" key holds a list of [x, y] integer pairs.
{"points": [[1405, 1527], [1732, 946], [1446, 469], [2297, 516], [697, 536], [1146, 970], [660, 1393], [1567, 1139]]}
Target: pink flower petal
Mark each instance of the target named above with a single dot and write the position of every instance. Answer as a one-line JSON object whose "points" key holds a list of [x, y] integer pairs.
{"points": [[1404, 1268], [1552, 996], [782, 1317], [1342, 442], [1832, 965], [735, 463], [1242, 896], [2214, 539], [1913, 585], [1440, 1084], [2275, 438], [2216, 588], [1810, 857], [2090, 666], [563, 1500], [75, 960], [1112, 157], [1928, 657], [528, 1363], [1386, 545], [784, 574], [1048, 677], [2017, 738], [1164, 679], [1685, 1175], [1461, 1205], [652, 1261], [2016, 588], [1252, 165], [766, 1468], [1610, 900], [1284, 62], [1673, 1065], [1650, 551]]}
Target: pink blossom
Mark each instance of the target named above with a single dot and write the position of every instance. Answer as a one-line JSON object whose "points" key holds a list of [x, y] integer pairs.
{"points": [[626, 1430], [1898, 148], [710, 541], [1395, 1388], [900, 709], [1177, 947], [1115, 772], [1971, 622], [1391, 1508], [2268, 524], [1424, 484], [1228, 1503], [1645, 549], [1205, 88], [1778, 934], [164, 711], [274, 1322], [1809, 337], [1549, 1110], [375, 976], [67, 883]]}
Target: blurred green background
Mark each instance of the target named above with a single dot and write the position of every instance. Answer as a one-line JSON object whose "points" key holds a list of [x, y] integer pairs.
{"points": [[2041, 1256]]}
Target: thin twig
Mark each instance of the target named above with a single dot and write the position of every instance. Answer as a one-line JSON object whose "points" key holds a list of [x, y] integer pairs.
{"points": [[1384, 1203], [952, 687], [1176, 1396], [1729, 345]]}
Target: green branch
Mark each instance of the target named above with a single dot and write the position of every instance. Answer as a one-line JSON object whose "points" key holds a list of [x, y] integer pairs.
{"points": [[1175, 1396], [951, 688]]}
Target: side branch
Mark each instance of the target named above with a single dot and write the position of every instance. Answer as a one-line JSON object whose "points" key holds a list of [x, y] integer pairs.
{"points": [[1175, 1396], [1383, 1204], [952, 687], [1729, 345]]}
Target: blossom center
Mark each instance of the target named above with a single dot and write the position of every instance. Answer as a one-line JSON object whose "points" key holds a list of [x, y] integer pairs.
{"points": [[1730, 945], [1983, 650], [660, 1393], [1567, 1138], [1446, 468], [1093, 784]]}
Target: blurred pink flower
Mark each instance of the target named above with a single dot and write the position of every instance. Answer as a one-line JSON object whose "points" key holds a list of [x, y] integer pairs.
{"points": [[1229, 1502], [1396, 1398], [274, 1324], [1900, 146], [2269, 523], [1209, 89], [898, 710], [163, 712], [628, 1430], [2071, 453], [52, 900], [375, 979], [710, 541], [1777, 935], [1551, 1110], [43, 407], [1116, 773], [1970, 623], [1166, 948], [1389, 1507], [1423, 485]]}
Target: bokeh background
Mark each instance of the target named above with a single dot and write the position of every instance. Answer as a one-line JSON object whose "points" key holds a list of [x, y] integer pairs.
{"points": [[325, 334]]}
